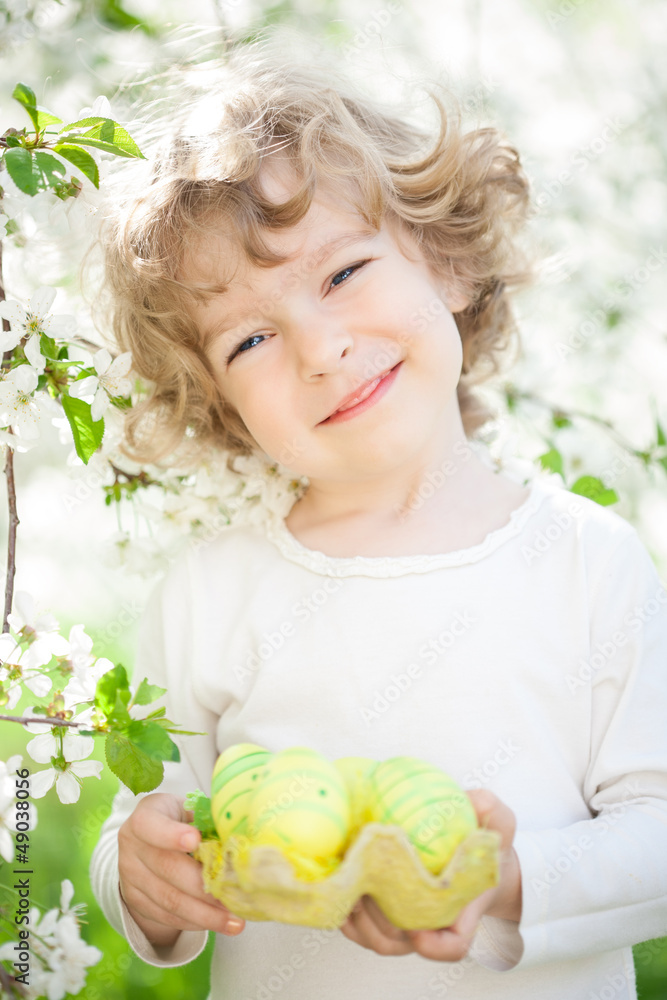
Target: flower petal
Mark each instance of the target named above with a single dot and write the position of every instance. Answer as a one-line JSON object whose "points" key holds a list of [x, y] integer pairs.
{"points": [[102, 361], [25, 378], [41, 781], [121, 365], [42, 300], [34, 354], [67, 787], [77, 747], [67, 891], [43, 748], [86, 768], [84, 387], [100, 404]]}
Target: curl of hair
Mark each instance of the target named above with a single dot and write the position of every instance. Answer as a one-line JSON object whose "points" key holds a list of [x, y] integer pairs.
{"points": [[462, 195]]}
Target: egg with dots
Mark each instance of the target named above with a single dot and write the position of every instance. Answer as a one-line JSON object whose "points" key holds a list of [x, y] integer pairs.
{"points": [[356, 772], [430, 806], [235, 776], [301, 805]]}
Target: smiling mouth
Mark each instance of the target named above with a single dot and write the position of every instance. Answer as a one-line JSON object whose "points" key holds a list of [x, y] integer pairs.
{"points": [[364, 394]]}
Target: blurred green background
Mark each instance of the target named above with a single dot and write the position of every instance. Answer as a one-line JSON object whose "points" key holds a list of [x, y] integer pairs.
{"points": [[557, 76]]}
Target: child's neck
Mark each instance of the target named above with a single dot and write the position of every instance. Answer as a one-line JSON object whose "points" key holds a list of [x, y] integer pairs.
{"points": [[434, 515]]}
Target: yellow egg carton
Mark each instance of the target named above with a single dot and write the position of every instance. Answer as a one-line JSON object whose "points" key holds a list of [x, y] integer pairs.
{"points": [[381, 863]]}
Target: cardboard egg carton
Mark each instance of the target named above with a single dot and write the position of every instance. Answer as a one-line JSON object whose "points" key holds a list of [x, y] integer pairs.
{"points": [[381, 863]]}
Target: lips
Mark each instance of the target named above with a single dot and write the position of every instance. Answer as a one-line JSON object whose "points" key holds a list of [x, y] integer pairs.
{"points": [[359, 394]]}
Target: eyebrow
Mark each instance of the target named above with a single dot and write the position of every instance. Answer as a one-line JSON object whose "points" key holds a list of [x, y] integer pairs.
{"points": [[315, 259]]}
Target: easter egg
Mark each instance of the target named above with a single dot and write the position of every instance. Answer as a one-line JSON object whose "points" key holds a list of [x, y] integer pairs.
{"points": [[355, 772], [430, 806], [301, 805], [235, 777]]}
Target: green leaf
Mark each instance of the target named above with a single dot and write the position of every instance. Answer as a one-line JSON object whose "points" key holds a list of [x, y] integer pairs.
{"points": [[109, 687], [104, 134], [87, 433], [81, 159], [45, 118], [153, 740], [662, 440], [594, 489], [48, 347], [200, 805], [52, 170], [157, 714], [39, 116], [136, 769], [146, 693], [26, 97], [135, 754], [23, 170], [553, 460]]}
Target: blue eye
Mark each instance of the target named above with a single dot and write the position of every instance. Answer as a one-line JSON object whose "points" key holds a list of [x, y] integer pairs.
{"points": [[243, 347], [351, 269], [248, 344]]}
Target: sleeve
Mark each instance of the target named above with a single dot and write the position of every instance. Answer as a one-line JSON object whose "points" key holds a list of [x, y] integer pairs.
{"points": [[601, 884], [161, 656]]}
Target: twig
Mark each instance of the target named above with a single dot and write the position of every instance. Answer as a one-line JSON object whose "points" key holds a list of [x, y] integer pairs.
{"points": [[11, 538], [559, 411], [11, 495], [9, 984], [43, 720]]}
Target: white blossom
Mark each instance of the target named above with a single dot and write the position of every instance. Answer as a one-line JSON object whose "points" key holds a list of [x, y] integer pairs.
{"points": [[8, 814], [36, 318], [71, 764], [12, 657], [3, 225], [42, 628], [111, 380], [19, 409], [100, 109], [61, 956]]}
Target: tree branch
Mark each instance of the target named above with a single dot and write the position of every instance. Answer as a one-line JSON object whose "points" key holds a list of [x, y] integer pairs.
{"points": [[44, 720], [11, 494]]}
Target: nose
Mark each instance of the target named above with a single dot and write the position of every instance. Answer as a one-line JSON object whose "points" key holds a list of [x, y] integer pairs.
{"points": [[318, 342]]}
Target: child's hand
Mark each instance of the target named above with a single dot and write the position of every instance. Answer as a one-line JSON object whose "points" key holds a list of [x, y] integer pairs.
{"points": [[161, 885], [369, 927]]}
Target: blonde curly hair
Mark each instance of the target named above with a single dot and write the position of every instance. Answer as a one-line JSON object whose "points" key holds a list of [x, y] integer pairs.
{"points": [[461, 194]]}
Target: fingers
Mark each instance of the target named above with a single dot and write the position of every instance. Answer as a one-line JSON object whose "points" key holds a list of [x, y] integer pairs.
{"points": [[161, 820], [451, 944], [159, 881], [368, 926], [163, 903], [493, 814]]}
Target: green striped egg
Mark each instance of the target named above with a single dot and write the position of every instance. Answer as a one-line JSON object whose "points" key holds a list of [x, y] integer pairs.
{"points": [[355, 772], [235, 777], [430, 806], [301, 805]]}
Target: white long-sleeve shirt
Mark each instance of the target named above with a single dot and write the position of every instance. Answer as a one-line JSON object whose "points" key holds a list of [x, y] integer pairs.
{"points": [[533, 664]]}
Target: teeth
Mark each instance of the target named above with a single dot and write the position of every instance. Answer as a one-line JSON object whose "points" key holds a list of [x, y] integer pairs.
{"points": [[361, 396]]}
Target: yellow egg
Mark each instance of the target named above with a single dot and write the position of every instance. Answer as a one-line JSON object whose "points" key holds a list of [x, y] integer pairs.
{"points": [[235, 776], [356, 775], [430, 806], [301, 805]]}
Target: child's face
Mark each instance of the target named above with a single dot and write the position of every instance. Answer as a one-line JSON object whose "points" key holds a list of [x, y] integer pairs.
{"points": [[289, 344]]}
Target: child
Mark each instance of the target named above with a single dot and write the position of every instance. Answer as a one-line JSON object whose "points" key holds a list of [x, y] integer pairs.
{"points": [[305, 276]]}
